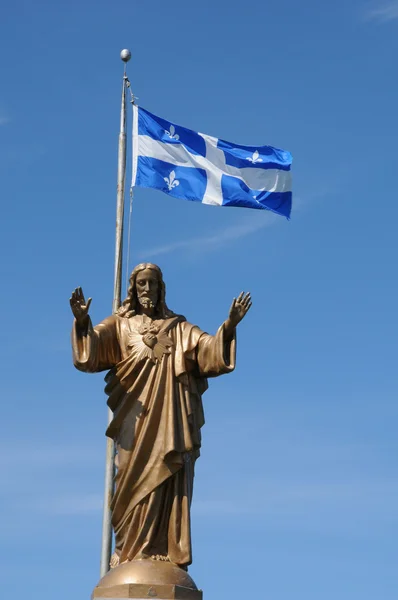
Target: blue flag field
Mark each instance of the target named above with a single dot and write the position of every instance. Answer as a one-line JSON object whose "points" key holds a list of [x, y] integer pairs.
{"points": [[198, 167]]}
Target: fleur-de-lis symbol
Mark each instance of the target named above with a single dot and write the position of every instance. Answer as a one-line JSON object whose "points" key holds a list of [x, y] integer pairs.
{"points": [[172, 133], [255, 158], [171, 181]]}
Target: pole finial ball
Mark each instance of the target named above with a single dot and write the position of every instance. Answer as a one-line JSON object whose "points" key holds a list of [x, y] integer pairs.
{"points": [[125, 55]]}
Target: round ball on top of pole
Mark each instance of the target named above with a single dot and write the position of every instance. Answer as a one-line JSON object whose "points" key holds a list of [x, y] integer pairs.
{"points": [[125, 55]]}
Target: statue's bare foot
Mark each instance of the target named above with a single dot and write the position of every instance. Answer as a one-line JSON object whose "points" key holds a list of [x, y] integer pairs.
{"points": [[160, 557]]}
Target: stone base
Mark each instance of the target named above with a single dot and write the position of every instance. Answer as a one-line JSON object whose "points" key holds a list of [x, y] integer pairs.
{"points": [[145, 579], [146, 592]]}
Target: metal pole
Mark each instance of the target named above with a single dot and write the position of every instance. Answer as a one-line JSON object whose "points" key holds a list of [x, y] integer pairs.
{"points": [[106, 548]]}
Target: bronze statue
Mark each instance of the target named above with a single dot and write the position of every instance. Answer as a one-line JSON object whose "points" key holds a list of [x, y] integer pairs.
{"points": [[158, 366]]}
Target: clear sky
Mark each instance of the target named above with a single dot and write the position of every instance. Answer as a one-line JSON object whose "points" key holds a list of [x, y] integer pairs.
{"points": [[296, 494]]}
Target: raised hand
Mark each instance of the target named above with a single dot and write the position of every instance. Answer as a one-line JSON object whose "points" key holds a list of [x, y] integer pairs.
{"points": [[79, 305], [239, 308]]}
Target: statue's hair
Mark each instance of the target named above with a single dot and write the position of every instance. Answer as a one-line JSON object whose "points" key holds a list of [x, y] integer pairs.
{"points": [[129, 305]]}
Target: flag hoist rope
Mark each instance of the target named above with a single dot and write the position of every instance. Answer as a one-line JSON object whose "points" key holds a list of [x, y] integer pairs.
{"points": [[132, 101], [106, 547]]}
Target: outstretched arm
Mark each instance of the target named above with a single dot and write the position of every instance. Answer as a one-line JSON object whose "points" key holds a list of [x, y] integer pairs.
{"points": [[216, 354], [94, 348]]}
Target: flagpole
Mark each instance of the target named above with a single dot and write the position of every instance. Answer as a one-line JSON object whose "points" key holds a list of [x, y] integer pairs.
{"points": [[106, 547]]}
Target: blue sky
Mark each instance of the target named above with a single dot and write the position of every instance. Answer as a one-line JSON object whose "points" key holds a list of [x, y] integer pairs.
{"points": [[296, 490]]}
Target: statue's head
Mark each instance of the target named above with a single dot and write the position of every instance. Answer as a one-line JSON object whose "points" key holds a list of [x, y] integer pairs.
{"points": [[146, 289]]}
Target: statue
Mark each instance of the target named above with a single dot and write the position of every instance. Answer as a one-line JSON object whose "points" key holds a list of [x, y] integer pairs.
{"points": [[158, 366]]}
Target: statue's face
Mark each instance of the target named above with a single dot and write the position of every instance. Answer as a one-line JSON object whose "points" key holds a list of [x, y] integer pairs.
{"points": [[147, 285]]}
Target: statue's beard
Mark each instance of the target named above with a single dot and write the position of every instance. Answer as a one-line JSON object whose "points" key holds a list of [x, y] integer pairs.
{"points": [[146, 302]]}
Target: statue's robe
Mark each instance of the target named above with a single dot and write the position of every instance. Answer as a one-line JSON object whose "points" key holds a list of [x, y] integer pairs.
{"points": [[156, 399]]}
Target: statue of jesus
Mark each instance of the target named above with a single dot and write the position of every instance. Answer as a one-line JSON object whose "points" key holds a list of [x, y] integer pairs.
{"points": [[158, 366]]}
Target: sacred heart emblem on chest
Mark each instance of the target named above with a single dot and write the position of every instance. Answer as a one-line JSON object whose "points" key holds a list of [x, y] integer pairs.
{"points": [[149, 341]]}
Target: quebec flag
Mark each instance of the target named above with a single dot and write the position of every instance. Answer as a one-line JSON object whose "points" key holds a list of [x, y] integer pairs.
{"points": [[198, 167]]}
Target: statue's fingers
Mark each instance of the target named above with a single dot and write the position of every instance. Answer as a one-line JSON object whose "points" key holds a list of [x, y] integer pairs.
{"points": [[240, 297], [232, 305], [247, 299], [248, 306], [88, 303]]}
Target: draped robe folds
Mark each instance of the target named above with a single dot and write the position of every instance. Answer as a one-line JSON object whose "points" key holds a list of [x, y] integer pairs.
{"points": [[156, 399]]}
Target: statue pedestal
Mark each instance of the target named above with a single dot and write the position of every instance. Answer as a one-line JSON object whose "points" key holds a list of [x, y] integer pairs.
{"points": [[145, 580], [146, 592]]}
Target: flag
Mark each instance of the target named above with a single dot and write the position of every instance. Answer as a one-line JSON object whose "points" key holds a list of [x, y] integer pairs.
{"points": [[199, 167]]}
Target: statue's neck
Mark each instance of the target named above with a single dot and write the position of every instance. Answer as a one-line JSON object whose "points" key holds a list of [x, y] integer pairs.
{"points": [[147, 311]]}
